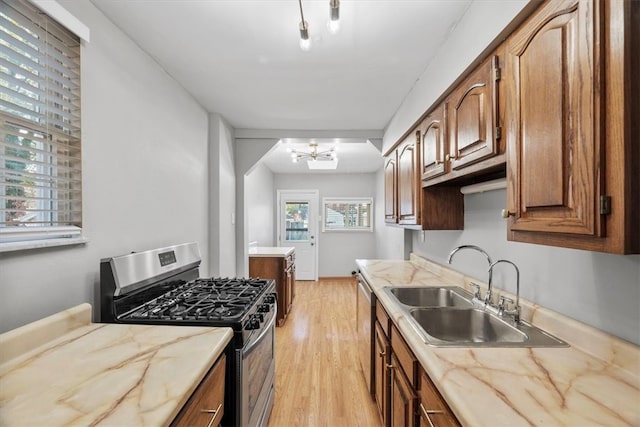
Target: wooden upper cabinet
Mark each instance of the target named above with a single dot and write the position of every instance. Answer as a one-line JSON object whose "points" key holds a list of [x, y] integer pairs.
{"points": [[434, 143], [473, 116], [409, 185], [570, 175], [554, 118], [391, 188]]}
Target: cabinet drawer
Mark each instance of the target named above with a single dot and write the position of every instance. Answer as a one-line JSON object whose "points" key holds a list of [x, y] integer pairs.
{"points": [[382, 318], [405, 356], [433, 409], [205, 407]]}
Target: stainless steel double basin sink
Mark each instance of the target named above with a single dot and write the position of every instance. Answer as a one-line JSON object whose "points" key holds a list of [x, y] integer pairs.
{"points": [[446, 316]]}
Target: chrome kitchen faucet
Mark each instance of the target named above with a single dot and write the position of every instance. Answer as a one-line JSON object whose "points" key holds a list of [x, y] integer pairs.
{"points": [[501, 310], [487, 297]]}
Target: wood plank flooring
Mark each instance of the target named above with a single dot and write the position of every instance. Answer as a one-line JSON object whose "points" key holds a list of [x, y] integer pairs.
{"points": [[319, 381]]}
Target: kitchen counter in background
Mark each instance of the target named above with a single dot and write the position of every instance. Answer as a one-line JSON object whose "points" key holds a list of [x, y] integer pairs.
{"points": [[65, 370], [270, 251], [595, 381]]}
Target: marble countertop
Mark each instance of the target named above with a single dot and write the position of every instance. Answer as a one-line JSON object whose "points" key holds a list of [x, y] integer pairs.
{"points": [[595, 381], [270, 251], [65, 370]]}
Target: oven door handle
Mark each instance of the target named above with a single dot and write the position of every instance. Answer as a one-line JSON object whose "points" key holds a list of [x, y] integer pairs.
{"points": [[262, 334]]}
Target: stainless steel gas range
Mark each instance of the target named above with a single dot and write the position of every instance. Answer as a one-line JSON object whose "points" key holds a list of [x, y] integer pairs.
{"points": [[162, 286]]}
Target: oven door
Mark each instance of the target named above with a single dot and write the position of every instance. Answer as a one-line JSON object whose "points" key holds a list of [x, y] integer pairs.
{"points": [[257, 373]]}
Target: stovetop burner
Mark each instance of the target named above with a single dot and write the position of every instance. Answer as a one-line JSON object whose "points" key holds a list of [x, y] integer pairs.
{"points": [[203, 299]]}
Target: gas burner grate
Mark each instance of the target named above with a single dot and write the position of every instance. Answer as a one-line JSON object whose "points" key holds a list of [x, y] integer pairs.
{"points": [[203, 299]]}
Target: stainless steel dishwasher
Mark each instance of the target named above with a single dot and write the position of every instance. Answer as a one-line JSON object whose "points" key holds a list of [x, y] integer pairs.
{"points": [[365, 306]]}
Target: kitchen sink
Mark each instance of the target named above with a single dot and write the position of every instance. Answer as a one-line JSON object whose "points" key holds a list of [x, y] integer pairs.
{"points": [[447, 296], [448, 316], [466, 326], [475, 327]]}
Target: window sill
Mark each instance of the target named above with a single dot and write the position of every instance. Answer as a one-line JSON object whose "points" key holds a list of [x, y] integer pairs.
{"points": [[39, 244]]}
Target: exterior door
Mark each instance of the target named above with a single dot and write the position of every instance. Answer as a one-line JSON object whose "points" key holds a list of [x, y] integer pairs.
{"points": [[297, 227]]}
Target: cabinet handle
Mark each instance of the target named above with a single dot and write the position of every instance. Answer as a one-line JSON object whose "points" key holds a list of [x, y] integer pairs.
{"points": [[449, 157], [382, 353], [390, 366], [438, 162], [426, 413], [506, 213], [215, 413]]}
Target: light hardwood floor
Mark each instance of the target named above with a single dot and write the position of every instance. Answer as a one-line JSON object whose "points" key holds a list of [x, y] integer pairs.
{"points": [[319, 381]]}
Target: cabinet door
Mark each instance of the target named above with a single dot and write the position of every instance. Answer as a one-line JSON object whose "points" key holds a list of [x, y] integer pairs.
{"points": [[403, 398], [391, 188], [474, 112], [433, 412], [409, 185], [553, 68], [381, 373], [434, 143], [206, 406]]}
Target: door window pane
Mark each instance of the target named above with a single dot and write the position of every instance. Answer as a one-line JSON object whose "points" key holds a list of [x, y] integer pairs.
{"points": [[297, 221]]}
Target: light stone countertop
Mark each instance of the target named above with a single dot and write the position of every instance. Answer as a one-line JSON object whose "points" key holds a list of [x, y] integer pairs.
{"points": [[65, 370], [594, 382], [270, 251]]}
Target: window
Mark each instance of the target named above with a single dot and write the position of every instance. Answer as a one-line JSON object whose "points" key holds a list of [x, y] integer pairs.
{"points": [[40, 156], [347, 214], [297, 221]]}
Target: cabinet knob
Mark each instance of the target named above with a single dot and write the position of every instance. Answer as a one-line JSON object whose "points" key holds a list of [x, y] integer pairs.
{"points": [[506, 213]]}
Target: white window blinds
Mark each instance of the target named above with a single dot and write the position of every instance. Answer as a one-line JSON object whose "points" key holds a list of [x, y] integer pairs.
{"points": [[347, 214], [40, 157]]}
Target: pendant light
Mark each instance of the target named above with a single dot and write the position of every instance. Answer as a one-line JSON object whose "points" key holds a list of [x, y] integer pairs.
{"points": [[334, 16], [305, 41]]}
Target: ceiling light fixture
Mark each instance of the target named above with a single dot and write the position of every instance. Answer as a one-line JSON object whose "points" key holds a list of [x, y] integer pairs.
{"points": [[305, 41], [330, 155], [334, 16]]}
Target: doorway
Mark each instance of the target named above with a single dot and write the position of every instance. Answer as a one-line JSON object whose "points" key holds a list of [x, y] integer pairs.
{"points": [[297, 228]]}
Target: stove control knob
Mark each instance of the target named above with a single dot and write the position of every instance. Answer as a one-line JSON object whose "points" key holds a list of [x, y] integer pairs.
{"points": [[264, 308], [260, 317], [270, 299], [254, 323]]}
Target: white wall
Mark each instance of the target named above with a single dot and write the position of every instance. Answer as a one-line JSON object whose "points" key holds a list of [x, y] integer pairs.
{"points": [[222, 198], [601, 290], [260, 205], [337, 250], [132, 201], [248, 151]]}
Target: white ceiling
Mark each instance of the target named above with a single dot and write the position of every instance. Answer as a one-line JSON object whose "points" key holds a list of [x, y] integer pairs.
{"points": [[241, 58]]}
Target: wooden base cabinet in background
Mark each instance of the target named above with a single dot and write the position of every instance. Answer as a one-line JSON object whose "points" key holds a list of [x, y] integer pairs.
{"points": [[283, 270], [205, 407]]}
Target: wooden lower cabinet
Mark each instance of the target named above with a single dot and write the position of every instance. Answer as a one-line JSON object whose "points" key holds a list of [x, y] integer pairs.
{"points": [[381, 373], [283, 271], [205, 407], [433, 410], [405, 394]]}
